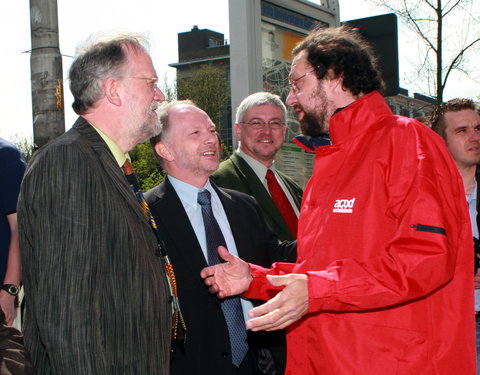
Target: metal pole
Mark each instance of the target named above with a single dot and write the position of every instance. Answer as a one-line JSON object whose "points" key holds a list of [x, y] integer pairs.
{"points": [[46, 72]]}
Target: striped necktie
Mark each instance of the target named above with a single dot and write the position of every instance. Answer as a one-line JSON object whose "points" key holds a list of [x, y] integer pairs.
{"points": [[231, 307]]}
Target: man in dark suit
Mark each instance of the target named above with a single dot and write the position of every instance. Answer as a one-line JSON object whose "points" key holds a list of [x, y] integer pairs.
{"points": [[95, 288], [260, 129], [188, 149]]}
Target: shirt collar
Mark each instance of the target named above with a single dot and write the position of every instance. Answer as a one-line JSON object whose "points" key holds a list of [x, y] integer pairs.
{"points": [[186, 192], [119, 156], [259, 169], [473, 195]]}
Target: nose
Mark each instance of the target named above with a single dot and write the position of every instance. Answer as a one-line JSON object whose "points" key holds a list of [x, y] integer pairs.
{"points": [[475, 136], [159, 95], [291, 99], [266, 128], [211, 137]]}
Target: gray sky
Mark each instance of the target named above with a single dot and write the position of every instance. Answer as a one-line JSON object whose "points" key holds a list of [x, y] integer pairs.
{"points": [[159, 21]]}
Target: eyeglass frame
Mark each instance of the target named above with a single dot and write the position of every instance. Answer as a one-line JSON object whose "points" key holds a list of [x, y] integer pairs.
{"points": [[151, 81], [258, 125], [293, 84]]}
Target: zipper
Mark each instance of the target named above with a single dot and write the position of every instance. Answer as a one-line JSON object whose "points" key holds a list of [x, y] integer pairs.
{"points": [[429, 228]]}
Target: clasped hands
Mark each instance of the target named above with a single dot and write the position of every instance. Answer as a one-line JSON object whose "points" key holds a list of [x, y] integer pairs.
{"points": [[233, 277]]}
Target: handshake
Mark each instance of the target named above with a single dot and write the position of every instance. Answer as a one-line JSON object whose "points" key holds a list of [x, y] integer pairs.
{"points": [[233, 277]]}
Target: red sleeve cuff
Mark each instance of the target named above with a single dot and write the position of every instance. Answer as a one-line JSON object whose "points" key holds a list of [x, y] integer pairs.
{"points": [[260, 288]]}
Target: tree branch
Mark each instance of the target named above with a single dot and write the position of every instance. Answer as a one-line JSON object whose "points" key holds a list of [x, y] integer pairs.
{"points": [[456, 61], [446, 12]]}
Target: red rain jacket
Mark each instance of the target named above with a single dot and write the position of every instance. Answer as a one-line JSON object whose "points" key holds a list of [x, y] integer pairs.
{"points": [[385, 239]]}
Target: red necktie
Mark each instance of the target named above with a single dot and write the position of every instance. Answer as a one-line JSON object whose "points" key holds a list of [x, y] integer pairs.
{"points": [[282, 203]]}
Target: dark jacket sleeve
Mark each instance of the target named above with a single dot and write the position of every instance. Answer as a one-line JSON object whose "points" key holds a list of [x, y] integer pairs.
{"points": [[255, 240]]}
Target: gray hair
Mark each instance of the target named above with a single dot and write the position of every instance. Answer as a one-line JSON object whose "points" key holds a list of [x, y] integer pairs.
{"points": [[101, 57], [259, 98]]}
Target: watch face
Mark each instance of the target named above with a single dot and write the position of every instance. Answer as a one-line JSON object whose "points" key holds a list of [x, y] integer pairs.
{"points": [[11, 289]]}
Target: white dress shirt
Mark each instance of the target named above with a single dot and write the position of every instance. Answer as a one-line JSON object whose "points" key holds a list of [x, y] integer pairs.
{"points": [[188, 196], [472, 208]]}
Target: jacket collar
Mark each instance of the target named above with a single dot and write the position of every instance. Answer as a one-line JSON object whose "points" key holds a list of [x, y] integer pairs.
{"points": [[349, 122], [358, 117]]}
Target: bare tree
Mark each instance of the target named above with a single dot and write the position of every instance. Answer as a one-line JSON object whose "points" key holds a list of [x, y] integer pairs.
{"points": [[449, 30]]}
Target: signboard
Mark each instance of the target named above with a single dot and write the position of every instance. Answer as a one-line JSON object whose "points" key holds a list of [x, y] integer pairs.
{"points": [[262, 35]]}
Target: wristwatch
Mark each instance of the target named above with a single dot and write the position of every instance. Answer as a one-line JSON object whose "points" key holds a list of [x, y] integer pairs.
{"points": [[10, 289]]}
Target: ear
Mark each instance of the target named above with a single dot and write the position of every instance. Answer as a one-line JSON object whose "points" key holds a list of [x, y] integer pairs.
{"points": [[112, 92], [333, 85], [164, 151], [238, 131]]}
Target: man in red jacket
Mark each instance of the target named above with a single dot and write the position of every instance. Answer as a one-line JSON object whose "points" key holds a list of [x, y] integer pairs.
{"points": [[383, 282]]}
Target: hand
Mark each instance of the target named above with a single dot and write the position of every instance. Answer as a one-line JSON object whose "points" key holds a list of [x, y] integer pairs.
{"points": [[227, 279], [285, 308], [7, 303]]}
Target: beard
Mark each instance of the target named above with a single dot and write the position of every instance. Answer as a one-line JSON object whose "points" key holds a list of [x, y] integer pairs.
{"points": [[316, 121], [145, 125], [263, 154], [151, 125], [192, 161], [196, 168], [313, 125]]}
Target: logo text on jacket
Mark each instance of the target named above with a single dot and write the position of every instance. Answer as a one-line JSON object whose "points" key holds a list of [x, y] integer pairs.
{"points": [[344, 205]]}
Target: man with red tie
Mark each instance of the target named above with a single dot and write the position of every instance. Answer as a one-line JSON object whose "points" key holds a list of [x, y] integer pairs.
{"points": [[194, 216], [260, 129]]}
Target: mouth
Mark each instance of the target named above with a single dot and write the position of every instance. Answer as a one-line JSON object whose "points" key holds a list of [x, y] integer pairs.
{"points": [[265, 141], [474, 147], [299, 112], [209, 153]]}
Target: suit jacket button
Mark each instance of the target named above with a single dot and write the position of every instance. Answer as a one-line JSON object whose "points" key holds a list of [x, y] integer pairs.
{"points": [[225, 354], [170, 299]]}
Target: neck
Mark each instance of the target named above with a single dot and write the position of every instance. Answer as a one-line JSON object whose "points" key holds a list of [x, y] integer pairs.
{"points": [[345, 98], [189, 178], [266, 162], [112, 129], [468, 177]]}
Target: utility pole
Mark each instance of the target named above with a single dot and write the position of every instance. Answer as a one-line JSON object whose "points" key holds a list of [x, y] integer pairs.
{"points": [[46, 73]]}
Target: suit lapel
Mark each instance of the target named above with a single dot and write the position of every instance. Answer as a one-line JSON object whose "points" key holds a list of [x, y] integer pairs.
{"points": [[258, 190], [109, 165], [236, 221], [172, 218]]}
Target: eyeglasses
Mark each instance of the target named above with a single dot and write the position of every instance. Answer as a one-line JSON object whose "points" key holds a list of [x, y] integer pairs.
{"points": [[294, 83], [151, 82], [257, 125]]}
